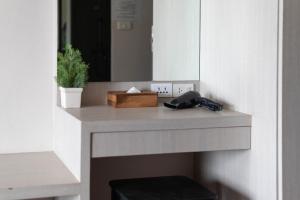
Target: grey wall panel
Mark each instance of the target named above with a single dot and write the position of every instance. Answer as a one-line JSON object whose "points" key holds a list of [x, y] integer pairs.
{"points": [[290, 100]]}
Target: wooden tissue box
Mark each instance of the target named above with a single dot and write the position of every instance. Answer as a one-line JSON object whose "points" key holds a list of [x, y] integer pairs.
{"points": [[121, 99]]}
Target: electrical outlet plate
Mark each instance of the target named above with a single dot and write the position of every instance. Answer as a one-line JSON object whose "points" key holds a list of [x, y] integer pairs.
{"points": [[180, 89], [162, 89]]}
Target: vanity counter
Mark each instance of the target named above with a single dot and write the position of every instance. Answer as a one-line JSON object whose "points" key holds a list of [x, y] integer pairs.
{"points": [[103, 131], [159, 130], [157, 118]]}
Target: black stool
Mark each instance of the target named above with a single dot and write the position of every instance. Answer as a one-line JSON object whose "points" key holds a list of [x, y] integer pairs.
{"points": [[160, 188]]}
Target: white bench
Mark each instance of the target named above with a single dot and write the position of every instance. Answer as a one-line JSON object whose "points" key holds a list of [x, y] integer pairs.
{"points": [[35, 175]]}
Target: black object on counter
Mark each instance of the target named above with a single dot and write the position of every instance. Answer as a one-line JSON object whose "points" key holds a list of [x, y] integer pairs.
{"points": [[192, 99], [160, 188]]}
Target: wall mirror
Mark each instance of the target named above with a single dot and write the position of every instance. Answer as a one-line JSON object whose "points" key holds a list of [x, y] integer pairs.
{"points": [[134, 40]]}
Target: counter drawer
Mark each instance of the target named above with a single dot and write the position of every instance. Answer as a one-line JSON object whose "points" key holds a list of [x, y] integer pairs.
{"points": [[170, 141]]}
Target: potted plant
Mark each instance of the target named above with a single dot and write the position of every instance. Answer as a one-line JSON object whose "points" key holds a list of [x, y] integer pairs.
{"points": [[72, 75]]}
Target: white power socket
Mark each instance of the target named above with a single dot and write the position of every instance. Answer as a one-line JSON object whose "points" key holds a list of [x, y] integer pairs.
{"points": [[162, 89], [180, 89]]}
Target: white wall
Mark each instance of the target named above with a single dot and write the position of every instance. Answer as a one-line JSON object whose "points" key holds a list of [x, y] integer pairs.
{"points": [[27, 57], [239, 67]]}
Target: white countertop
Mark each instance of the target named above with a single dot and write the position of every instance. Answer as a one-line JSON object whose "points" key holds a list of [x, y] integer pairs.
{"points": [[157, 118], [35, 175]]}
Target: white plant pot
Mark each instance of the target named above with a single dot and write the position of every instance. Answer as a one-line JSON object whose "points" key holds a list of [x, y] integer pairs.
{"points": [[70, 97]]}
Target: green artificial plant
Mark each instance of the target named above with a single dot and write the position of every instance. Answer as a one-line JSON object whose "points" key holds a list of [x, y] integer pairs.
{"points": [[72, 71]]}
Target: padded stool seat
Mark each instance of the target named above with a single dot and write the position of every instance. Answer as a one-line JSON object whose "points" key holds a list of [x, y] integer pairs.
{"points": [[160, 188]]}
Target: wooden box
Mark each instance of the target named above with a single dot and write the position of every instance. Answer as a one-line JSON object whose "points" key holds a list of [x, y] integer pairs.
{"points": [[121, 99]]}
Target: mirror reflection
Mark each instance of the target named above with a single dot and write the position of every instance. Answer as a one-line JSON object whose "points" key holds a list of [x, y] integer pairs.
{"points": [[134, 40]]}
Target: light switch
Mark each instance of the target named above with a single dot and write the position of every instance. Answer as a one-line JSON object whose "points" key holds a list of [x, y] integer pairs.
{"points": [[124, 25]]}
